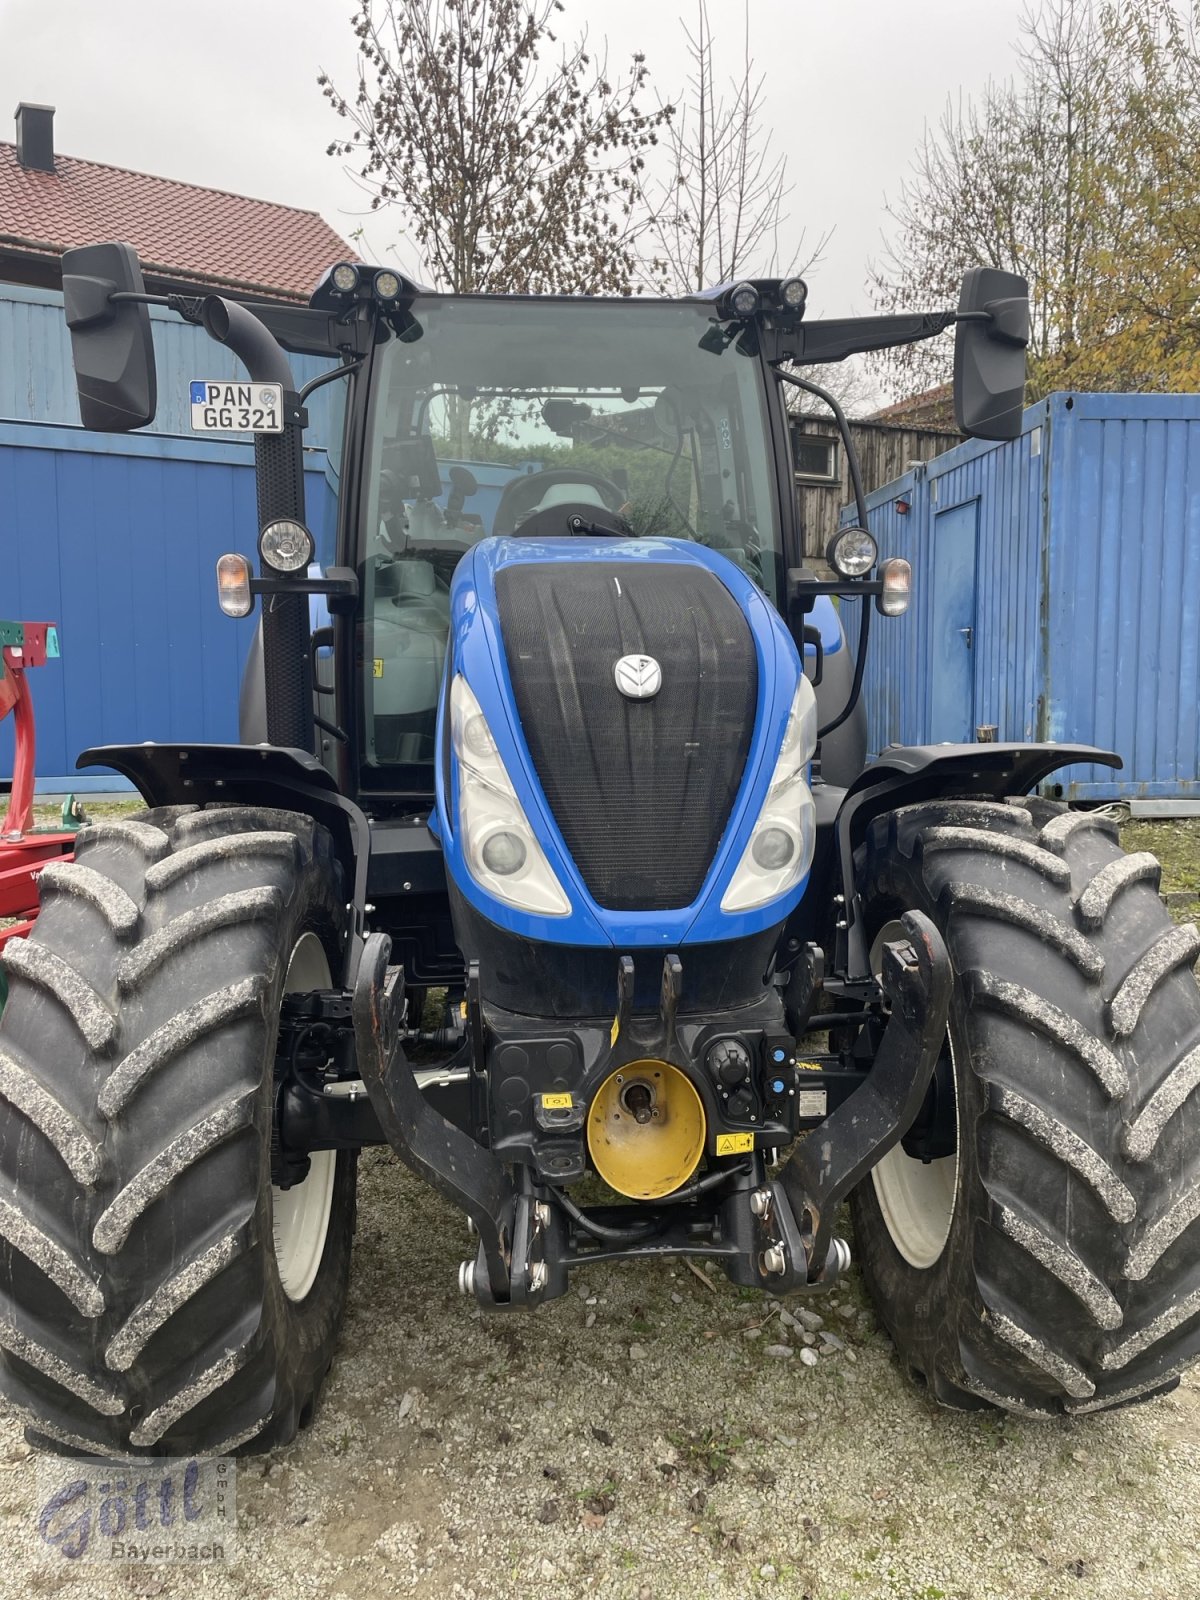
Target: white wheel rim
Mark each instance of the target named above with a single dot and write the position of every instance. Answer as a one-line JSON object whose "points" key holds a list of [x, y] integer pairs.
{"points": [[300, 1215], [915, 1197]]}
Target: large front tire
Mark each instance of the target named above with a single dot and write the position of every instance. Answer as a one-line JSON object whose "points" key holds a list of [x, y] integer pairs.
{"points": [[1053, 1262], [156, 1295]]}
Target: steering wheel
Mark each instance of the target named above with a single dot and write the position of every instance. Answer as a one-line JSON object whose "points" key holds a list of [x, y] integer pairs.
{"points": [[573, 519], [520, 496]]}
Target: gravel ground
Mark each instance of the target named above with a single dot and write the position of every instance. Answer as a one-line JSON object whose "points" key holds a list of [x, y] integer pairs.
{"points": [[667, 1451]]}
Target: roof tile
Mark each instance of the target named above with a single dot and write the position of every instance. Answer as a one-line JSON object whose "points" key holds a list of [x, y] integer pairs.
{"points": [[179, 230]]}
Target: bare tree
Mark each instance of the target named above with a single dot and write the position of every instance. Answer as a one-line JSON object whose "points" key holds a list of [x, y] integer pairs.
{"points": [[718, 192], [512, 162], [719, 200], [1005, 182], [1143, 325], [1085, 176]]}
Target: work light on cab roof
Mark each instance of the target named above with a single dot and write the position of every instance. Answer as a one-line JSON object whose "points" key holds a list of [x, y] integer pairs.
{"points": [[349, 283]]}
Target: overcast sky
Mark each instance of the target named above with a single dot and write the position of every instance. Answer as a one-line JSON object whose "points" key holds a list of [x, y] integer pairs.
{"points": [[224, 93]]}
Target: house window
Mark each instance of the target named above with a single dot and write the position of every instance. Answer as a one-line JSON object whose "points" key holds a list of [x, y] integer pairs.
{"points": [[816, 459]]}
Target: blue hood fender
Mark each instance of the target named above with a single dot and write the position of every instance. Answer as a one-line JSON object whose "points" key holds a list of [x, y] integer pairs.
{"points": [[477, 652]]}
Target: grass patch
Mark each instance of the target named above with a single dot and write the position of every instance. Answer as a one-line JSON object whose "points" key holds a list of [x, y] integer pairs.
{"points": [[708, 1452], [1177, 846]]}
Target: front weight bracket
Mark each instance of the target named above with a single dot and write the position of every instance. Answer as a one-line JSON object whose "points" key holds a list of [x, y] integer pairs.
{"points": [[466, 1173], [840, 1151]]}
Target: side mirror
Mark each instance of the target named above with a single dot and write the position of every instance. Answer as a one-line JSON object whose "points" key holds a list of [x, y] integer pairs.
{"points": [[111, 344], [989, 353]]}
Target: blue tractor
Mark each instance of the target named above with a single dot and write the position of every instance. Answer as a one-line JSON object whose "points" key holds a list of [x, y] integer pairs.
{"points": [[550, 856]]}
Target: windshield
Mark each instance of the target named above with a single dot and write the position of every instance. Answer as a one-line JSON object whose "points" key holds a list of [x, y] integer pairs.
{"points": [[508, 416]]}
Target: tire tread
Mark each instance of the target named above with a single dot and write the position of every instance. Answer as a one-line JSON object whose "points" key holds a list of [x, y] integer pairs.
{"points": [[135, 1283], [1077, 1285]]}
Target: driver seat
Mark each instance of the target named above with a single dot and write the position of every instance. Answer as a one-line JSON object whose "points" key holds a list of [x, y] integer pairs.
{"points": [[542, 491]]}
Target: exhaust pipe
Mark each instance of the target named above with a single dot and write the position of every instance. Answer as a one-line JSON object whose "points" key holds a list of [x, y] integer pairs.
{"points": [[251, 342], [279, 483]]}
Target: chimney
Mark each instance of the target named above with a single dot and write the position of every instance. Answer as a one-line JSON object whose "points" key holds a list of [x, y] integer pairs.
{"points": [[35, 137]]}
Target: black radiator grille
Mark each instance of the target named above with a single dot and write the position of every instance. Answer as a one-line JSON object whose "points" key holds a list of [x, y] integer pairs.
{"points": [[641, 789]]}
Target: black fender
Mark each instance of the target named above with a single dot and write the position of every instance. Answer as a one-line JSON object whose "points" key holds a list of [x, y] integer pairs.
{"points": [[259, 774], [905, 775]]}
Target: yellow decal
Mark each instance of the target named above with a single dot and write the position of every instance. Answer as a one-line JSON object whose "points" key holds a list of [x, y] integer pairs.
{"points": [[557, 1102], [809, 1066], [734, 1144], [614, 1031], [377, 667]]}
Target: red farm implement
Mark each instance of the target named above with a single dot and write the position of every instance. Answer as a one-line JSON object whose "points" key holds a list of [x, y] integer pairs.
{"points": [[24, 849]]}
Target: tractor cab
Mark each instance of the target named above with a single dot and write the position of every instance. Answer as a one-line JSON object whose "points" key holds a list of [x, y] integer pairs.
{"points": [[545, 420]]}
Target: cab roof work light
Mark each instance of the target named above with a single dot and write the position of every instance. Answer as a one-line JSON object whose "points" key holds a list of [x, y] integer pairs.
{"points": [[349, 283]]}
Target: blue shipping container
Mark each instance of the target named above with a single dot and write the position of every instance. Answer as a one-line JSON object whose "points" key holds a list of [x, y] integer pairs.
{"points": [[37, 383], [115, 538], [1056, 593]]}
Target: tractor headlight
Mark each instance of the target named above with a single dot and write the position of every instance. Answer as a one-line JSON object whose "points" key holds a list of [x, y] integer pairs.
{"points": [[852, 553], [780, 850], [773, 847], [504, 852], [286, 545], [501, 849]]}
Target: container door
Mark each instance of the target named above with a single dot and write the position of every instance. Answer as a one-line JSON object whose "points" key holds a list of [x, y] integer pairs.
{"points": [[952, 647]]}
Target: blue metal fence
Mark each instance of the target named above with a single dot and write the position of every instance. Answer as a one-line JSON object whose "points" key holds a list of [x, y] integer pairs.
{"points": [[1081, 547]]}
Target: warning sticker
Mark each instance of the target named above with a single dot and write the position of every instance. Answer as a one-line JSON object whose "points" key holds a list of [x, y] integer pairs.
{"points": [[377, 667], [734, 1144], [557, 1102]]}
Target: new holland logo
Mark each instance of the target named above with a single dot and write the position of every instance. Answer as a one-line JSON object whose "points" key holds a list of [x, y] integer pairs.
{"points": [[638, 677]]}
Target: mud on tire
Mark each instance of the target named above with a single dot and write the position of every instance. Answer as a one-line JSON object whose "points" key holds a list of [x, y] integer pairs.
{"points": [[141, 1304], [1070, 1276]]}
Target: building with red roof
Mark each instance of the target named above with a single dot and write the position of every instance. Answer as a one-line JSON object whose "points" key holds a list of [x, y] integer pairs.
{"points": [[188, 237], [931, 408]]}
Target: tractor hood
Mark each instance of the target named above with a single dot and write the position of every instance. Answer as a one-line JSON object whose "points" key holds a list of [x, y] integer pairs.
{"points": [[628, 700]]}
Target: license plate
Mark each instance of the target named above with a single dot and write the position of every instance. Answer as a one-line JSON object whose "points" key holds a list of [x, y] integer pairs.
{"points": [[236, 407]]}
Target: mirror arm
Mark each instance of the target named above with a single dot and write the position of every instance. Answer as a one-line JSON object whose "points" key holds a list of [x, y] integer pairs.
{"points": [[839, 416], [835, 339], [1008, 320], [860, 505], [190, 307], [322, 378]]}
